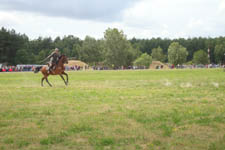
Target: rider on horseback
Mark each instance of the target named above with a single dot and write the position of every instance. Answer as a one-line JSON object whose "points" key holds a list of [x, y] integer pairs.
{"points": [[54, 57]]}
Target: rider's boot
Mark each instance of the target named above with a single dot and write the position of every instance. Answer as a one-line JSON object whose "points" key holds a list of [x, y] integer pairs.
{"points": [[49, 69]]}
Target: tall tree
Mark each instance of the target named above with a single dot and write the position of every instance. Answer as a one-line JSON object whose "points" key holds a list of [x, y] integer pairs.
{"points": [[177, 54], [157, 54], [143, 61], [220, 53], [90, 51], [10, 43], [118, 48], [200, 57]]}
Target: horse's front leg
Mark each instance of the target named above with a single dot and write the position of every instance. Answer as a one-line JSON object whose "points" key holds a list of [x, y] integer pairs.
{"points": [[63, 79], [67, 79]]}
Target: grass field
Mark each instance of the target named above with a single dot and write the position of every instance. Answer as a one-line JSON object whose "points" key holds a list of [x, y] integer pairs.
{"points": [[121, 110]]}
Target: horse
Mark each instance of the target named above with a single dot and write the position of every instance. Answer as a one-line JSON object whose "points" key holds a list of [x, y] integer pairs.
{"points": [[59, 70]]}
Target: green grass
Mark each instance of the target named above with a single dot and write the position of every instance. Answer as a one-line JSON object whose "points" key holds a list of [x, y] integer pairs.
{"points": [[120, 110]]}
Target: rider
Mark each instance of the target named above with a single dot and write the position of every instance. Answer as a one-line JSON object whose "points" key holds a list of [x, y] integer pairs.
{"points": [[54, 57]]}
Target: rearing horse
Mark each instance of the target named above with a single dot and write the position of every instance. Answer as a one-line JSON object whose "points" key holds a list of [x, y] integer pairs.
{"points": [[59, 70]]}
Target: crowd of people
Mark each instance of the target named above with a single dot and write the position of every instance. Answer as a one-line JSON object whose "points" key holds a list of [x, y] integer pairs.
{"points": [[17, 68], [196, 66], [20, 68], [73, 68]]}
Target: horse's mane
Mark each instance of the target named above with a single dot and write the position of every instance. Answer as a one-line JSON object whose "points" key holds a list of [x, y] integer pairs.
{"points": [[62, 56]]}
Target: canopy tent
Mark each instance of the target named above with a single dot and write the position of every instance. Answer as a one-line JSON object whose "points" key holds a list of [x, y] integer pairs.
{"points": [[76, 63], [158, 65]]}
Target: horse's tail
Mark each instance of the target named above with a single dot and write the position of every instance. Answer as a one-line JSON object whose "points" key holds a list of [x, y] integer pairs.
{"points": [[37, 69]]}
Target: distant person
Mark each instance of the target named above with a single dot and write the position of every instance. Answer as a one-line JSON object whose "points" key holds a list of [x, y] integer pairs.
{"points": [[54, 57], [3, 69], [10, 69]]}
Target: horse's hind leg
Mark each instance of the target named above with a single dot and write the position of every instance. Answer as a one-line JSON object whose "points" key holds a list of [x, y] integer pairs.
{"points": [[63, 79], [46, 78], [42, 81]]}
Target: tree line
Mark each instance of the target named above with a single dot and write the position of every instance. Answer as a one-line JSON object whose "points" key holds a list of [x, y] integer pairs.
{"points": [[113, 50]]}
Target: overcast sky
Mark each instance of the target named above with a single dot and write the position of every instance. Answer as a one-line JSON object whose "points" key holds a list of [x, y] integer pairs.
{"points": [[137, 18]]}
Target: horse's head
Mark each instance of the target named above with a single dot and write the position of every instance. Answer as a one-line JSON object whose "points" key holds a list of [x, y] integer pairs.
{"points": [[64, 59]]}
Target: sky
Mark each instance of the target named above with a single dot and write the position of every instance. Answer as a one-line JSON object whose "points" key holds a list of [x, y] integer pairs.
{"points": [[144, 19]]}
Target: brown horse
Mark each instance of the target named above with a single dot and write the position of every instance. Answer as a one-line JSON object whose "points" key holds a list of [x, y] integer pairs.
{"points": [[59, 70]]}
